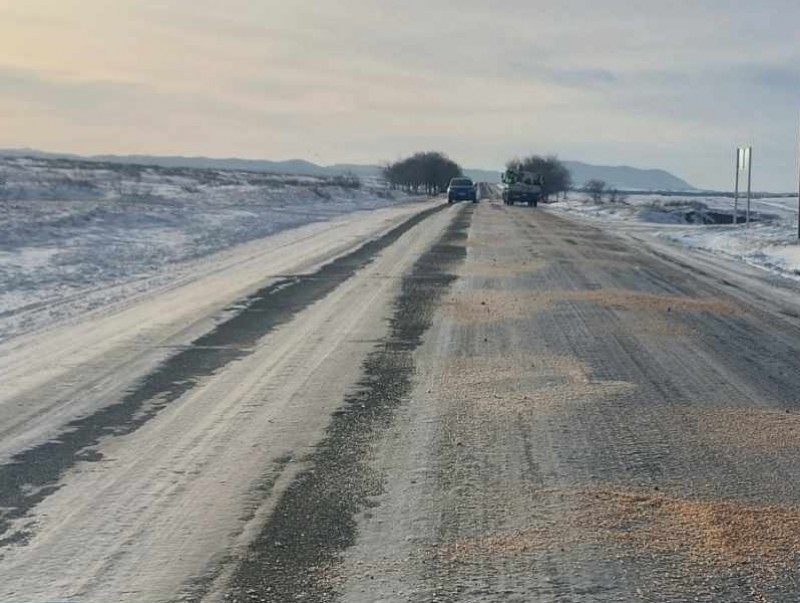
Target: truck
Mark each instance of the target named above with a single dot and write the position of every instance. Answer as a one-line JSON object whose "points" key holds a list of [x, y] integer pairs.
{"points": [[521, 186]]}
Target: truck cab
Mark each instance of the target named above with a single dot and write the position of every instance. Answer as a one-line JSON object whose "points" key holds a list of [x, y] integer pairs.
{"points": [[520, 186]]}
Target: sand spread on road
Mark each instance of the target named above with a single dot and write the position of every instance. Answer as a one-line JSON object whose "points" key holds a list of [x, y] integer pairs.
{"points": [[748, 429], [510, 544], [497, 270], [470, 307], [716, 534], [720, 536], [525, 382]]}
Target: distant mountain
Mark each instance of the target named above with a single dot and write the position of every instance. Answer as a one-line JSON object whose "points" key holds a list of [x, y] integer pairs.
{"points": [[623, 177], [627, 178], [362, 171], [292, 166]]}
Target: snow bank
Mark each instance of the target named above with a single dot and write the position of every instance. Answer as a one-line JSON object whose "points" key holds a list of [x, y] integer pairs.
{"points": [[707, 223], [95, 232]]}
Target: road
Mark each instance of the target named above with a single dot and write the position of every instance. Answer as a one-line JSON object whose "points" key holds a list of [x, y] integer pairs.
{"points": [[432, 403]]}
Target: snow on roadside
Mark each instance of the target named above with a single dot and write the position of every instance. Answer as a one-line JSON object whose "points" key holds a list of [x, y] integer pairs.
{"points": [[706, 223], [77, 235]]}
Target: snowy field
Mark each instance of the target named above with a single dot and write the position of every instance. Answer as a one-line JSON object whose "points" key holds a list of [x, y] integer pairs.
{"points": [[706, 223], [75, 236]]}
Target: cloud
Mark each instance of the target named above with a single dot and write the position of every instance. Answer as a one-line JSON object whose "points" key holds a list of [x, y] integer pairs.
{"points": [[63, 95], [777, 79], [581, 78], [672, 84]]}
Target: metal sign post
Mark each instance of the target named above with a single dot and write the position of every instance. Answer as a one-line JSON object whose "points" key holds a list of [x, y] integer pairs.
{"points": [[749, 153], [736, 190], [744, 161], [798, 188]]}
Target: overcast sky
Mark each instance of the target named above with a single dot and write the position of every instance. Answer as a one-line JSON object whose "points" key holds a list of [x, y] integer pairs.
{"points": [[669, 84]]}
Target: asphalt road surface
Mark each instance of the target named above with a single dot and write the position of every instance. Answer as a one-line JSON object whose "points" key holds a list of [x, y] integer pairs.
{"points": [[433, 403]]}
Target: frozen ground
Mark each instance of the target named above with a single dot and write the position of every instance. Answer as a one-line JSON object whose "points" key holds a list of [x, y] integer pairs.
{"points": [[706, 223], [78, 235]]}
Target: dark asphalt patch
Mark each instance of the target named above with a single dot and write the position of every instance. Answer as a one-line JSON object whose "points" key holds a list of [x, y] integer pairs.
{"points": [[295, 555], [33, 475]]}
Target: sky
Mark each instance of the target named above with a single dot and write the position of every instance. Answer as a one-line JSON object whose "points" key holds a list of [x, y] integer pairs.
{"points": [[674, 84]]}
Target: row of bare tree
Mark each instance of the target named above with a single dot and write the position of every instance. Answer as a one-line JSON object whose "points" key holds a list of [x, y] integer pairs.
{"points": [[429, 172]]}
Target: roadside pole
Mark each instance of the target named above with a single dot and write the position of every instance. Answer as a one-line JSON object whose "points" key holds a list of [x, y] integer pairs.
{"points": [[736, 191], [749, 179], [798, 185]]}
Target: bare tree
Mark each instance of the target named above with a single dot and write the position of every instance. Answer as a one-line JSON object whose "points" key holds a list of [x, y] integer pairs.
{"points": [[346, 180], [595, 189], [427, 172], [614, 195]]}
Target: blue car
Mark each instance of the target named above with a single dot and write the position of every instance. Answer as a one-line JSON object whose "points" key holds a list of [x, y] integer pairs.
{"points": [[462, 189]]}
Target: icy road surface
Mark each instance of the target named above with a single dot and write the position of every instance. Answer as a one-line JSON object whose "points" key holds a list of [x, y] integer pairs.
{"points": [[425, 403], [137, 446]]}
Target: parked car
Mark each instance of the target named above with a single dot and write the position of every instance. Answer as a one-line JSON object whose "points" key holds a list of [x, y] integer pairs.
{"points": [[462, 189]]}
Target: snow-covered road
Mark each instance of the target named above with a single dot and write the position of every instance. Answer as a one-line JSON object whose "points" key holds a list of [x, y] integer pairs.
{"points": [[425, 402], [136, 442], [139, 332]]}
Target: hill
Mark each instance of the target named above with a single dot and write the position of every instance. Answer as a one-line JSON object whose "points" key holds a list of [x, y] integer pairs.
{"points": [[627, 178], [623, 177]]}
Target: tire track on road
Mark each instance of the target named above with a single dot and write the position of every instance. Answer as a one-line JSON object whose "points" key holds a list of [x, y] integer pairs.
{"points": [[296, 554], [33, 475]]}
